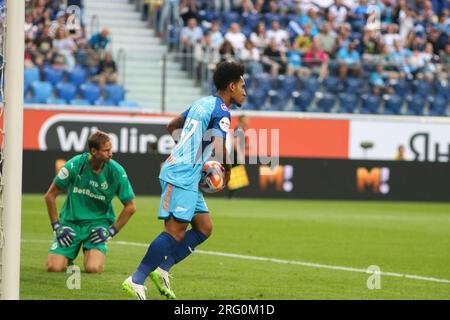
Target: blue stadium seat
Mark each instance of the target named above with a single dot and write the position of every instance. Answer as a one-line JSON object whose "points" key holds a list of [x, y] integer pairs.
{"points": [[271, 17], [128, 104], [302, 100], [354, 85], [279, 100], [251, 20], [325, 103], [53, 75], [332, 84], [52, 100], [401, 87], [416, 104], [114, 93], [105, 103], [311, 84], [258, 98], [80, 102], [66, 90], [442, 88], [229, 17], [423, 88], [287, 83], [348, 102], [438, 106], [78, 76], [263, 81], [393, 104], [30, 75], [370, 104], [42, 90], [90, 92]]}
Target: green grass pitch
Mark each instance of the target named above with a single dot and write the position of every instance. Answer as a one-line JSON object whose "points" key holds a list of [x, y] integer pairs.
{"points": [[401, 238]]}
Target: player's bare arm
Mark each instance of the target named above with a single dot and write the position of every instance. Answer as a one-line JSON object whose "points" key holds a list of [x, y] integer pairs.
{"points": [[50, 201], [128, 210], [174, 125]]}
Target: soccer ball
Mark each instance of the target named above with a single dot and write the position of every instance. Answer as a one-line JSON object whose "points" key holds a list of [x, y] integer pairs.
{"points": [[213, 175]]}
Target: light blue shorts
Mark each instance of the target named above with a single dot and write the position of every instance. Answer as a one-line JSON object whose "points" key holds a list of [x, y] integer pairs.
{"points": [[180, 204]]}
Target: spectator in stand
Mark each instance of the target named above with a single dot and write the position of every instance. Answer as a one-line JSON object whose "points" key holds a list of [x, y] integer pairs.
{"points": [[30, 28], [391, 37], [445, 59], [400, 59], [379, 79], [280, 36], [343, 36], [107, 70], [339, 11], [44, 43], [294, 57], [66, 47], [191, 34], [188, 10], [349, 60], [406, 20], [99, 41], [236, 37], [357, 16], [216, 36], [274, 61], [326, 39], [227, 52], [305, 40], [251, 57], [259, 37], [317, 60], [248, 8]]}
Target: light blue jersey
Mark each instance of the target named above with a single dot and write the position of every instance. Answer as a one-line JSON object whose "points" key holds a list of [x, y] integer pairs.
{"points": [[204, 119]]}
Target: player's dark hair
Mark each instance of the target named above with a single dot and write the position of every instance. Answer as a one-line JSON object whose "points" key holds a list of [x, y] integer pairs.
{"points": [[227, 72], [97, 139]]}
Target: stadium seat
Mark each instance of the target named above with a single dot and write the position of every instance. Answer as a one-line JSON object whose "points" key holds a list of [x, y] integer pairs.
{"points": [[90, 92], [401, 87], [251, 20], [325, 102], [354, 85], [370, 104], [263, 81], [423, 88], [128, 104], [348, 102], [105, 103], [438, 106], [42, 90], [229, 17], [416, 104], [287, 84], [311, 84], [271, 17], [53, 75], [66, 91], [78, 76], [258, 98], [279, 100], [332, 84], [52, 100], [442, 88], [302, 100], [114, 93], [393, 104], [30, 75], [80, 102]]}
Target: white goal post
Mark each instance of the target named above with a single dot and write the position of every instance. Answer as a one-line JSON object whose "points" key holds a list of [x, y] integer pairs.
{"points": [[11, 152]]}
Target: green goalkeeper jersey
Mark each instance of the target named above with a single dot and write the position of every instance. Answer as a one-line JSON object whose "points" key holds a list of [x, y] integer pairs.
{"points": [[89, 195]]}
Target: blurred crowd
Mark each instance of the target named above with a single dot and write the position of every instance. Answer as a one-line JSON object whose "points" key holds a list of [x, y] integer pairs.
{"points": [[380, 39], [55, 37]]}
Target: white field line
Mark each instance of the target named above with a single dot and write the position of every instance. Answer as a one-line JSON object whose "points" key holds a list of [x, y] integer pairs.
{"points": [[282, 261]]}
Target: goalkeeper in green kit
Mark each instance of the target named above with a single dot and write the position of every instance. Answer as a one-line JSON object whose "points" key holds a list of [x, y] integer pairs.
{"points": [[87, 218]]}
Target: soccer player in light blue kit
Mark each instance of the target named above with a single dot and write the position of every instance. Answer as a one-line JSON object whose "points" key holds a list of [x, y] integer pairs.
{"points": [[204, 127]]}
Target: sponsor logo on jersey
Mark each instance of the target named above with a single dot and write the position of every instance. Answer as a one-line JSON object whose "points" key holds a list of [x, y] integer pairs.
{"points": [[180, 209], [224, 107], [63, 173], [104, 185], [224, 124], [88, 193]]}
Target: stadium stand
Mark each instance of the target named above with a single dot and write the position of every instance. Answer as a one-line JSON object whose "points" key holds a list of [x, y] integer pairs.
{"points": [[63, 65], [342, 56]]}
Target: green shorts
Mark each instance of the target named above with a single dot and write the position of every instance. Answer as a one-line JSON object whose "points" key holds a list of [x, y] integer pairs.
{"points": [[82, 230]]}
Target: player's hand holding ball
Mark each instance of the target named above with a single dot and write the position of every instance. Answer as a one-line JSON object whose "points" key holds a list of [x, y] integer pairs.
{"points": [[101, 234], [213, 177], [64, 235]]}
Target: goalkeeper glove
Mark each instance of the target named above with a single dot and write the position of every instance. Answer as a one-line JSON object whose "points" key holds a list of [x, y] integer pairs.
{"points": [[101, 234], [64, 235]]}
